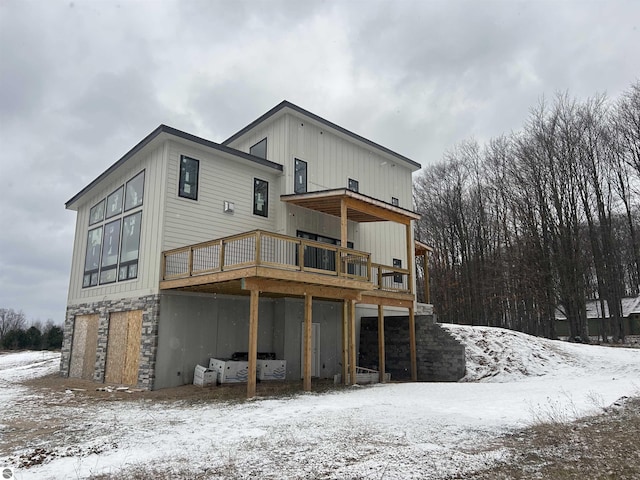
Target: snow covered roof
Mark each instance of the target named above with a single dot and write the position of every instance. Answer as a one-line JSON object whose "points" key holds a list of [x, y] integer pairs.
{"points": [[630, 306]]}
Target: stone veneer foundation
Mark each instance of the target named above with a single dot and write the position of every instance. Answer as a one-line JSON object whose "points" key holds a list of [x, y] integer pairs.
{"points": [[150, 306]]}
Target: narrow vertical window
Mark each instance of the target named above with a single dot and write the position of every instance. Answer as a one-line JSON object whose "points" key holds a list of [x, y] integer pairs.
{"points": [[397, 277], [300, 181], [92, 259], [353, 185], [110, 244], [259, 149], [129, 247], [188, 184], [134, 192], [114, 203], [395, 202], [260, 197]]}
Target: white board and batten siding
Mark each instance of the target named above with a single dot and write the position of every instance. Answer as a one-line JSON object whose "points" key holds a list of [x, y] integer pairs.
{"points": [[152, 162], [220, 179]]}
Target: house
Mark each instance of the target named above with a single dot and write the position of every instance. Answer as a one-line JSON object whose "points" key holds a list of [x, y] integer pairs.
{"points": [[594, 309], [276, 240]]}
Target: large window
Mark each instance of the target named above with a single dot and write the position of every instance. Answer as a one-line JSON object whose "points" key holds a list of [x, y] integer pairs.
{"points": [[110, 242], [92, 259], [188, 185], [113, 246], [134, 192], [114, 203], [300, 181], [318, 257], [260, 197], [130, 246], [259, 149]]}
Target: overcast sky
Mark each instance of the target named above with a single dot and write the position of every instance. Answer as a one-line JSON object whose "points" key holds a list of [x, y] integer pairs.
{"points": [[81, 82]]}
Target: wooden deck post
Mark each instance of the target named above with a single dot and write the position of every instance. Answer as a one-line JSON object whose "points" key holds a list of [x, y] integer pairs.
{"points": [[411, 258], [343, 223], [307, 343], [253, 343], [427, 290], [412, 346], [352, 342], [381, 354], [345, 341]]}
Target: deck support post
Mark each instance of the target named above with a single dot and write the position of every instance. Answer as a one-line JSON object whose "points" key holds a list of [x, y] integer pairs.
{"points": [[412, 345], [343, 223], [352, 343], [253, 344], [306, 383], [410, 258], [381, 353], [345, 341]]}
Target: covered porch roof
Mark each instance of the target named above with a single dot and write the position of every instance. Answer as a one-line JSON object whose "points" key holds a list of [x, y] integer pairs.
{"points": [[351, 205]]}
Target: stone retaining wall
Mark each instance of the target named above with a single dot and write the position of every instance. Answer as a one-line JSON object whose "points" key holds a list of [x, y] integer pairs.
{"points": [[440, 357]]}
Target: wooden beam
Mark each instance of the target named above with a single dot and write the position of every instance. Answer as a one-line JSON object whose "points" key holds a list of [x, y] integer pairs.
{"points": [[412, 345], [379, 298], [296, 289], [307, 343], [381, 353], [345, 341], [411, 259], [343, 223], [381, 212], [352, 342], [253, 343], [427, 288]]}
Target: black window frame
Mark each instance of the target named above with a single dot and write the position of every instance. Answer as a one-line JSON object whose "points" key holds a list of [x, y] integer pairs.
{"points": [[119, 194], [100, 206], [395, 202], [129, 265], [126, 192], [299, 165], [353, 185], [181, 180], [90, 275], [258, 147], [258, 184], [108, 268], [397, 263]]}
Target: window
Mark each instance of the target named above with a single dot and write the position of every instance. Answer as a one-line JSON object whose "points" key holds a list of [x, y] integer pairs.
{"points": [[134, 192], [395, 202], [300, 181], [318, 257], [110, 243], [188, 185], [259, 149], [129, 247], [96, 214], [114, 203], [397, 277], [353, 185], [260, 197], [92, 259], [112, 248]]}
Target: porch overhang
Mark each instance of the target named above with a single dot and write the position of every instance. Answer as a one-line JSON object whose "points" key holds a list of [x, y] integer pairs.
{"points": [[359, 208]]}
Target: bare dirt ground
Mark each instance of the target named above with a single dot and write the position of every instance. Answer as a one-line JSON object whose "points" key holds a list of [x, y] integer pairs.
{"points": [[605, 446]]}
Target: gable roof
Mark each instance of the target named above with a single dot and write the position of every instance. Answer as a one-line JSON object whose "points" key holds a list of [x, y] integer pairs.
{"points": [[285, 104], [164, 129]]}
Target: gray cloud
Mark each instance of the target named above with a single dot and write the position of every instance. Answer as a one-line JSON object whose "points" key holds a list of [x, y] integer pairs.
{"points": [[82, 82]]}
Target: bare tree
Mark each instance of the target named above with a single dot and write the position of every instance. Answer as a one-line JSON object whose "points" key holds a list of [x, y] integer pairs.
{"points": [[11, 320]]}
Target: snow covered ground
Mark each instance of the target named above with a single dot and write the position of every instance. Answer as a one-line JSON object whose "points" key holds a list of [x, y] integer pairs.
{"points": [[393, 431]]}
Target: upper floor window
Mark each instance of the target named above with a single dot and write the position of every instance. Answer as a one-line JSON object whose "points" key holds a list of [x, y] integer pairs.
{"points": [[114, 203], [259, 149], [112, 247], [395, 202], [188, 184], [134, 192], [300, 181], [353, 185], [260, 197]]}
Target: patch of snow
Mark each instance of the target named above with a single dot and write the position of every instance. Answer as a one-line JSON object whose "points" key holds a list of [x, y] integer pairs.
{"points": [[391, 431]]}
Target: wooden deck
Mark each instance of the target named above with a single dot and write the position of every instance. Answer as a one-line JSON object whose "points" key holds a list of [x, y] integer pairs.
{"points": [[283, 265]]}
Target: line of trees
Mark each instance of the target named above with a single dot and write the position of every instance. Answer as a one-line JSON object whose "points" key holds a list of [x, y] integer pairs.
{"points": [[15, 335], [540, 219]]}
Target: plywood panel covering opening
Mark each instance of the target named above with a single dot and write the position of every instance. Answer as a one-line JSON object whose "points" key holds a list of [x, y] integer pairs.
{"points": [[84, 346], [123, 347]]}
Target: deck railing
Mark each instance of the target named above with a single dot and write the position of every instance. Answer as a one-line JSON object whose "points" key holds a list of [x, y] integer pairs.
{"points": [[260, 248]]}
